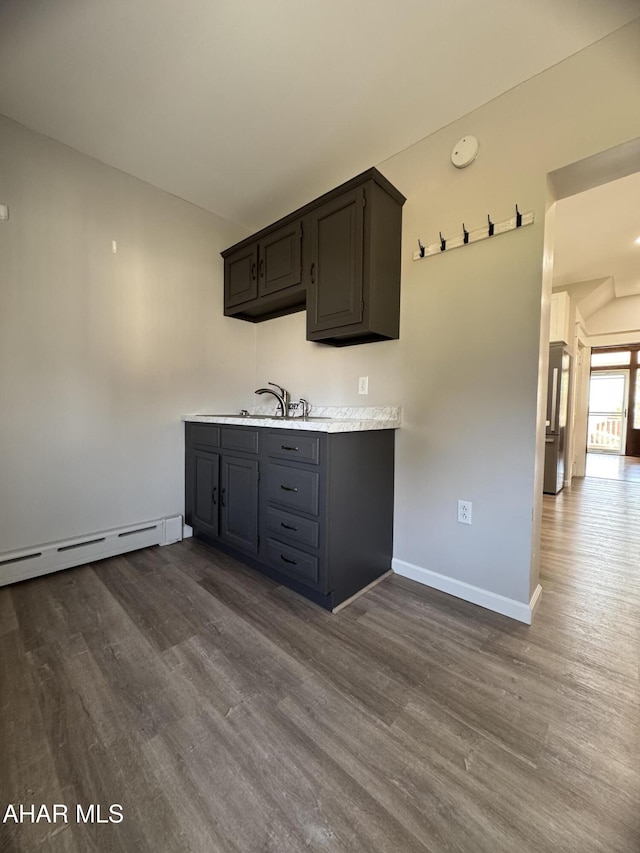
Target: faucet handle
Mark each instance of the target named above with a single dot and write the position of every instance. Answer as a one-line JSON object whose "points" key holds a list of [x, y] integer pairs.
{"points": [[306, 407], [279, 387]]}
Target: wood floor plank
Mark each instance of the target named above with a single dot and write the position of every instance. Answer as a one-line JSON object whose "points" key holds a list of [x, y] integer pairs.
{"points": [[28, 772], [156, 615], [313, 639], [94, 747]]}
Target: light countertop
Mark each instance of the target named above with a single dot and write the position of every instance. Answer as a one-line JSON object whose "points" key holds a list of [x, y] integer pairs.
{"points": [[321, 419]]}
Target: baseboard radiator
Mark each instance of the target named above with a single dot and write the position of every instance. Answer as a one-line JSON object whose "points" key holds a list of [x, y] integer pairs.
{"points": [[52, 557]]}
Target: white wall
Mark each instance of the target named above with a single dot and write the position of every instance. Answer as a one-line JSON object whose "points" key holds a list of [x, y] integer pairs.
{"points": [[466, 366], [101, 353], [620, 315]]}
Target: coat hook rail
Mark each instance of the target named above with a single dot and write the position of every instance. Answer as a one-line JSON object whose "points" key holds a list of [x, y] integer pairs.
{"points": [[491, 229]]}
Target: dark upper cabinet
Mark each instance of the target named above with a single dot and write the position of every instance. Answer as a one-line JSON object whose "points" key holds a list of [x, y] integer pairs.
{"points": [[335, 233], [353, 271], [262, 279], [279, 264], [241, 276], [338, 255]]}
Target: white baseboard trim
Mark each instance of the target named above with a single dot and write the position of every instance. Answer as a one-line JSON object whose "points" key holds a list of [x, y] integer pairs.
{"points": [[467, 592], [53, 556]]}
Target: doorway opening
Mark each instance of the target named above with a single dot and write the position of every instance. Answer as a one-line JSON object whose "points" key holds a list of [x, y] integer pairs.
{"points": [[591, 290], [613, 432]]}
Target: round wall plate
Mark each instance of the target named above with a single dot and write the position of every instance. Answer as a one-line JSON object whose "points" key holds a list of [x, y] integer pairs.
{"points": [[465, 151]]}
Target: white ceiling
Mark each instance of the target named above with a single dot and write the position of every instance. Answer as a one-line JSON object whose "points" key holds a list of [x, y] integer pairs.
{"points": [[249, 108], [595, 236]]}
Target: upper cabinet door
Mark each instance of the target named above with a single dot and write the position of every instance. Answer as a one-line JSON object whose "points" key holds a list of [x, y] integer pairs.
{"points": [[335, 274], [279, 259], [241, 276]]}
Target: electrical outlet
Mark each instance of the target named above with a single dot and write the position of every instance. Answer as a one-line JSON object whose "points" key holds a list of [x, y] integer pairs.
{"points": [[363, 385], [464, 512]]}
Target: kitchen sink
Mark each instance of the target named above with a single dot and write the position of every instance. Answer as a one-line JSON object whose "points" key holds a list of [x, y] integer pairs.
{"points": [[261, 417]]}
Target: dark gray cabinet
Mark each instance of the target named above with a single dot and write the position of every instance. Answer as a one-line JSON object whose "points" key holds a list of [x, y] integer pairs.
{"points": [[354, 283], [263, 278], [222, 488], [336, 235], [339, 256], [206, 491], [312, 510], [280, 261], [239, 503], [241, 276]]}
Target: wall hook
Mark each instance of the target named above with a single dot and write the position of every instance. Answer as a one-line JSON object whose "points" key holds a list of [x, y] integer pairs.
{"points": [[491, 225], [465, 235], [518, 217], [443, 243], [421, 247]]}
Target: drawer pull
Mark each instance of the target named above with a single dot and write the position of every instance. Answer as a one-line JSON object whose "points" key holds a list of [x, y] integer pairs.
{"points": [[287, 526], [223, 498], [289, 488], [287, 560], [214, 496], [286, 447]]}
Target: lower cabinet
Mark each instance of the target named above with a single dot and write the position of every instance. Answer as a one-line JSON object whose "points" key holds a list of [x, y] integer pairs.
{"points": [[314, 511], [206, 491], [224, 498], [239, 502]]}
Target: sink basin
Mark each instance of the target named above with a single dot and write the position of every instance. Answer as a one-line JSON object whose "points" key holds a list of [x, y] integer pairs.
{"points": [[239, 416], [261, 417]]}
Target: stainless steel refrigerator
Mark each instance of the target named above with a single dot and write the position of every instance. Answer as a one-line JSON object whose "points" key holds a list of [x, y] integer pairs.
{"points": [[555, 456]]}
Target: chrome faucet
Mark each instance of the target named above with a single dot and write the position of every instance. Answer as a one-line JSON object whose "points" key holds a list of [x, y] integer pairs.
{"points": [[283, 398]]}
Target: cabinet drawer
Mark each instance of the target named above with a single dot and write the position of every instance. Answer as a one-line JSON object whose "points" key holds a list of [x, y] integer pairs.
{"points": [[294, 488], [204, 435], [292, 528], [245, 440], [302, 448], [292, 562]]}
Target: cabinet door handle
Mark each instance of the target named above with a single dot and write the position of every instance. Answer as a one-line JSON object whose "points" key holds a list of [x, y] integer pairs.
{"points": [[214, 495], [286, 489], [287, 526], [286, 447], [223, 500], [287, 560], [313, 273], [253, 271], [261, 267]]}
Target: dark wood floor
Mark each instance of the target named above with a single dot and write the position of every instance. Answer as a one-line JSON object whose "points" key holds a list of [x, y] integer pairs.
{"points": [[227, 714]]}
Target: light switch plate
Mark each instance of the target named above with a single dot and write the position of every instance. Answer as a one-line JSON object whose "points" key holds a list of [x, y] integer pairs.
{"points": [[4, 211]]}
